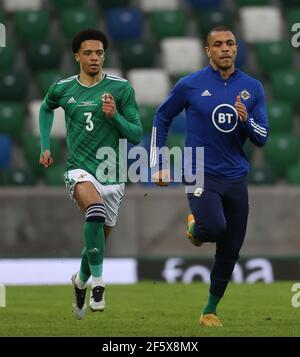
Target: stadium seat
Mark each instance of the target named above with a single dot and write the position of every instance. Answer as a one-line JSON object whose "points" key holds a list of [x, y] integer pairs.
{"points": [[151, 85], [107, 59], [17, 177], [2, 177], [202, 4], [242, 55], [5, 151], [124, 24], [75, 19], [32, 150], [54, 176], [48, 77], [290, 3], [286, 86], [274, 56], [249, 150], [12, 115], [7, 56], [31, 25], [293, 175], [58, 128], [208, 19], [12, 86], [261, 175], [2, 17], [293, 16], [113, 72], [3, 33], [67, 4], [113, 3], [252, 2], [17, 5], [137, 54], [168, 23], [147, 113], [252, 19], [43, 55], [155, 5], [282, 151], [182, 55], [280, 117], [175, 140]]}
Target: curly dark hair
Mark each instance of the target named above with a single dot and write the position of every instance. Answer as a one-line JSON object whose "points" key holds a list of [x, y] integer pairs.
{"points": [[88, 34]]}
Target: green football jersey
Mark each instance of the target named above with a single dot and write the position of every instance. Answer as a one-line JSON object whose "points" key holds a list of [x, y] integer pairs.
{"points": [[89, 130]]}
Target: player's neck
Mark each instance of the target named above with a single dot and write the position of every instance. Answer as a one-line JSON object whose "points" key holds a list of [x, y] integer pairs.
{"points": [[88, 80], [224, 73]]}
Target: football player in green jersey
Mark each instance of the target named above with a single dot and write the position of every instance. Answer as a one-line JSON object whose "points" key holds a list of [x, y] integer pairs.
{"points": [[99, 110]]}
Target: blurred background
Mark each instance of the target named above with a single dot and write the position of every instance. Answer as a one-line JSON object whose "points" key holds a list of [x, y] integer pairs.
{"points": [[152, 43]]}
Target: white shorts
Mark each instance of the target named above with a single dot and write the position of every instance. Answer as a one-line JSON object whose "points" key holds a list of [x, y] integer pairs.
{"points": [[112, 195]]}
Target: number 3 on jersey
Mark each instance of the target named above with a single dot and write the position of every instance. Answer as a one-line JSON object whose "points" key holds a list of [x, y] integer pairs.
{"points": [[89, 123]]}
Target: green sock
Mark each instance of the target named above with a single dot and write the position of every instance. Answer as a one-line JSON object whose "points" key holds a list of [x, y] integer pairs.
{"points": [[95, 244], [211, 306], [84, 272]]}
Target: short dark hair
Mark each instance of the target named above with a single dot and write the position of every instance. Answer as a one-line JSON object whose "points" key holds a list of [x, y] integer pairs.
{"points": [[88, 34], [217, 29]]}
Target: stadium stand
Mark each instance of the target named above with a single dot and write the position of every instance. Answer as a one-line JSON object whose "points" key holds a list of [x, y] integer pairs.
{"points": [[181, 55], [156, 5], [12, 118], [124, 24], [19, 5], [5, 151], [31, 25], [168, 23], [152, 43], [253, 17], [151, 85], [137, 54], [75, 19]]}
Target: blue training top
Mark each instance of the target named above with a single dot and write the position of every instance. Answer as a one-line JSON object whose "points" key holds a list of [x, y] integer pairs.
{"points": [[212, 120]]}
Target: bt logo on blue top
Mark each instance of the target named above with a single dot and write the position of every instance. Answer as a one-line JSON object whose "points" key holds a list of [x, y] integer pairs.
{"points": [[225, 118]]}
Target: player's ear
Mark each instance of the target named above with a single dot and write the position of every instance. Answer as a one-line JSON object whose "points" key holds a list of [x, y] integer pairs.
{"points": [[76, 56], [207, 51]]}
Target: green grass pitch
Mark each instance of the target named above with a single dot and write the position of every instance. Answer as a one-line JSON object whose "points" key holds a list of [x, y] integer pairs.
{"points": [[152, 309]]}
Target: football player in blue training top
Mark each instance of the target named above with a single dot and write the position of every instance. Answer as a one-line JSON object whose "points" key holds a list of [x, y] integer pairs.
{"points": [[223, 107]]}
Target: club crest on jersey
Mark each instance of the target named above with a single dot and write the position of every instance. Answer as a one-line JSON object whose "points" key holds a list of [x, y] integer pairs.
{"points": [[198, 192], [225, 118], [245, 94]]}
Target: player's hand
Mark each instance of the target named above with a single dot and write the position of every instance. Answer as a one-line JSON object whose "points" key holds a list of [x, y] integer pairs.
{"points": [[46, 159], [241, 109], [162, 177], [109, 105]]}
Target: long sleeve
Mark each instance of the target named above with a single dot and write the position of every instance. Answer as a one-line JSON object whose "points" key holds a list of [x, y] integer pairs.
{"points": [[257, 123], [127, 120], [46, 116], [172, 106]]}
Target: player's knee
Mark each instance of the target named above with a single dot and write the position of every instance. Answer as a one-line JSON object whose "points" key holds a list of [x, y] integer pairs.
{"points": [[216, 231], [95, 213]]}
